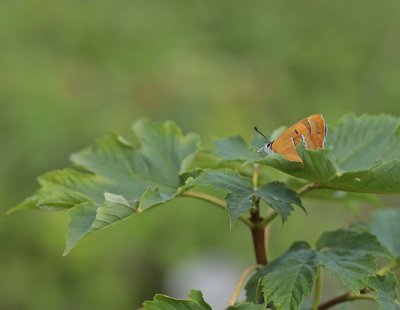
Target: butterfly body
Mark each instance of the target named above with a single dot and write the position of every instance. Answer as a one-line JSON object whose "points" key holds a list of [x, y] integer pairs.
{"points": [[311, 131]]}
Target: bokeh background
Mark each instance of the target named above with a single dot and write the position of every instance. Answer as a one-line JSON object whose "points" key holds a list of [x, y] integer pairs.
{"points": [[72, 70]]}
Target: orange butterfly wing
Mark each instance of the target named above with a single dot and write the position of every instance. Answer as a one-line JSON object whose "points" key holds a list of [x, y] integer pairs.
{"points": [[312, 130]]}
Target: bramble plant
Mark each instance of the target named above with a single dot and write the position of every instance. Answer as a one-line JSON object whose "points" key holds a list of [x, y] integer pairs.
{"points": [[115, 180]]}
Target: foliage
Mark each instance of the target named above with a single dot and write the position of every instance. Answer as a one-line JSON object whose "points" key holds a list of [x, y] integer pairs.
{"points": [[116, 179], [241, 193], [195, 302]]}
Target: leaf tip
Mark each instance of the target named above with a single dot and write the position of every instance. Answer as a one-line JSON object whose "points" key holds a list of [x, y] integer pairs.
{"points": [[10, 211], [67, 249]]}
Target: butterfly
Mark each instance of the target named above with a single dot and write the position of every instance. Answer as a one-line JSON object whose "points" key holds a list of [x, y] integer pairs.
{"points": [[311, 130]]}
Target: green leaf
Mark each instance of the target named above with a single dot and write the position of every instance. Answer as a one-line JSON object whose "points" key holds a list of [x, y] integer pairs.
{"points": [[350, 256], [280, 198], [286, 280], [363, 156], [386, 291], [232, 148], [114, 179], [344, 240], [247, 306], [240, 193], [385, 226], [198, 297], [163, 302], [239, 189]]}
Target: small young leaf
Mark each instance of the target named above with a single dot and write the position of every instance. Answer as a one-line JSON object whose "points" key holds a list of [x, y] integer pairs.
{"points": [[232, 148], [385, 226], [239, 188], [195, 302], [286, 280], [386, 291], [116, 180], [240, 192], [349, 255], [280, 198]]}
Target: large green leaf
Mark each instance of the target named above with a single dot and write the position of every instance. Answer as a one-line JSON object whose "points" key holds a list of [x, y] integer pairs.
{"points": [[363, 155], [385, 225], [350, 256], [386, 291], [286, 280], [114, 179], [163, 302], [240, 193]]}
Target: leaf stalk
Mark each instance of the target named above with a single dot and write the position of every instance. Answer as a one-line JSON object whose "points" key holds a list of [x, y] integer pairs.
{"points": [[350, 297], [214, 200], [243, 277], [307, 188], [318, 289], [394, 264], [343, 298]]}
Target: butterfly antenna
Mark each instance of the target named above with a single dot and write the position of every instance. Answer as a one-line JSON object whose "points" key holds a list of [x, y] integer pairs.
{"points": [[256, 129]]}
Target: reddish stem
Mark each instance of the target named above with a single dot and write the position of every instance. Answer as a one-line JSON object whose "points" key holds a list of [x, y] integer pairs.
{"points": [[339, 299], [334, 301], [258, 239]]}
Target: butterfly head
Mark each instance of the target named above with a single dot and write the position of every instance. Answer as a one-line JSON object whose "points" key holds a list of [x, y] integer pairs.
{"points": [[267, 148]]}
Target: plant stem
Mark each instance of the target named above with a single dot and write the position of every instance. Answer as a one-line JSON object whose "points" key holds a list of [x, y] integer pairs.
{"points": [[258, 238], [317, 294], [245, 274], [257, 231], [343, 298], [214, 200], [268, 219], [394, 264], [256, 171], [306, 188], [205, 197], [267, 230]]}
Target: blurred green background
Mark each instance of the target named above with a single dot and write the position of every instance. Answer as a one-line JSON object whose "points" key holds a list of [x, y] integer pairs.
{"points": [[72, 70]]}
